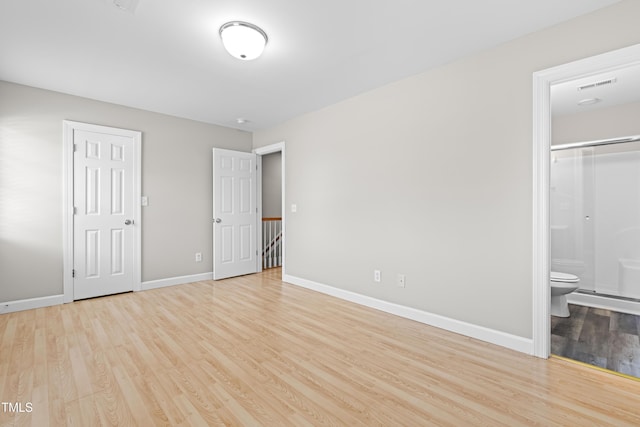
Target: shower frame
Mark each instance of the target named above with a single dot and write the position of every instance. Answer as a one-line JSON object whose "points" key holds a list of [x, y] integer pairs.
{"points": [[595, 143]]}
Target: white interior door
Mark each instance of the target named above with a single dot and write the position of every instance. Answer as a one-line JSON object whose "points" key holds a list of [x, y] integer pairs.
{"points": [[104, 214], [234, 213]]}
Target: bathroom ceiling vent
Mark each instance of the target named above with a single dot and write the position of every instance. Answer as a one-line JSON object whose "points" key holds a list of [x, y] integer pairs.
{"points": [[598, 84]]}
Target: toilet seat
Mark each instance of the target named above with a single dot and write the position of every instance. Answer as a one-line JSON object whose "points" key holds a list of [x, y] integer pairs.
{"points": [[564, 277]]}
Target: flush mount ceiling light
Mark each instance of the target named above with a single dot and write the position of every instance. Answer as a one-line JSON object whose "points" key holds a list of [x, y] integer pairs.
{"points": [[243, 40]]}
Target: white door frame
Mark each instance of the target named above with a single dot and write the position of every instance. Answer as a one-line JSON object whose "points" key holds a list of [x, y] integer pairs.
{"points": [[68, 128], [273, 148], [542, 81]]}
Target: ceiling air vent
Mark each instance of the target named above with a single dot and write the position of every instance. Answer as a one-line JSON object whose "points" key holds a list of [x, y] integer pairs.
{"points": [[598, 84]]}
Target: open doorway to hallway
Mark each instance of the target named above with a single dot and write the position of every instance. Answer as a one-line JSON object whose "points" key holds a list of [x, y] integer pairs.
{"points": [[271, 208], [271, 246]]}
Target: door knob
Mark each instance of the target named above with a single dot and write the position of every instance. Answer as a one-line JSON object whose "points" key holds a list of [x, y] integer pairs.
{"points": [[218, 220], [128, 221]]}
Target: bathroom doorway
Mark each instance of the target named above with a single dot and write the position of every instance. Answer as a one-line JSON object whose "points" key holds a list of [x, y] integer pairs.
{"points": [[595, 217], [595, 235], [591, 72]]}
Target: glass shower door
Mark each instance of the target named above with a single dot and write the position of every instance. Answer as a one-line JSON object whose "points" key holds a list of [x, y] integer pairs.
{"points": [[595, 217], [617, 224], [571, 216]]}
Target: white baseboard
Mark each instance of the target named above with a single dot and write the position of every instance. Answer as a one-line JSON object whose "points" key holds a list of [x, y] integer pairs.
{"points": [[523, 345], [28, 304], [172, 281]]}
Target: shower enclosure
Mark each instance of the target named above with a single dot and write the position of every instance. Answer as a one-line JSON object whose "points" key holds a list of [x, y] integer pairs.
{"points": [[595, 220]]}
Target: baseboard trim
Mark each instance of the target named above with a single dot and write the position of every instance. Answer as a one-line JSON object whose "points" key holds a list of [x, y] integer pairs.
{"points": [[28, 304], [172, 281], [503, 339]]}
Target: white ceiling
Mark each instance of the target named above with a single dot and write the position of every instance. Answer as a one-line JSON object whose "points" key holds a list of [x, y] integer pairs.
{"points": [[167, 56]]}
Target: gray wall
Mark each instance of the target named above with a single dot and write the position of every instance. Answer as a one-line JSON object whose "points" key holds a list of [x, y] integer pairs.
{"points": [[431, 177], [176, 176], [603, 123], [272, 185]]}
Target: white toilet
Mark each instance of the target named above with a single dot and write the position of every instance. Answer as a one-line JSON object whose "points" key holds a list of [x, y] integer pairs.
{"points": [[561, 285]]}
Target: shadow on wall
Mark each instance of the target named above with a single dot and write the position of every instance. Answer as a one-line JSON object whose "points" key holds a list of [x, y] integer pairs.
{"points": [[29, 204]]}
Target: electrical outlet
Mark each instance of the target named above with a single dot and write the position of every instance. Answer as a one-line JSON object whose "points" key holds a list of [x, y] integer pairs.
{"points": [[401, 280], [376, 275], [198, 256]]}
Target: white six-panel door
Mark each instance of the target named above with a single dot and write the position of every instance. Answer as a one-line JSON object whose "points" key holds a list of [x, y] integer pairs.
{"points": [[103, 221], [234, 213]]}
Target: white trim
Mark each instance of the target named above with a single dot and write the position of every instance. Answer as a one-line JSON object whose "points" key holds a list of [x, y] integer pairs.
{"points": [[259, 243], [503, 339], [68, 127], [67, 210], [261, 151], [540, 274], [542, 81], [172, 281], [28, 304], [31, 303], [268, 149]]}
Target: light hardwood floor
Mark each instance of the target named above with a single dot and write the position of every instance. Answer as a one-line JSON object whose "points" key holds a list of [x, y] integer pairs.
{"points": [[256, 351]]}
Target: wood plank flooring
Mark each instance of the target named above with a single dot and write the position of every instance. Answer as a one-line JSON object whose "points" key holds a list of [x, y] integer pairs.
{"points": [[599, 337], [254, 351]]}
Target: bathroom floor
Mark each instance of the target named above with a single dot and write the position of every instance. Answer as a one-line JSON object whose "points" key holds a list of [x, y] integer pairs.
{"points": [[603, 338]]}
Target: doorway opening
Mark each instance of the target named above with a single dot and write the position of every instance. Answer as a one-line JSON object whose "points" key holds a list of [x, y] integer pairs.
{"points": [[270, 248], [543, 81], [271, 208]]}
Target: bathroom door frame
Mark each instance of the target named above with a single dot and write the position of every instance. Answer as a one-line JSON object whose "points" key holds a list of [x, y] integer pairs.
{"points": [[542, 82]]}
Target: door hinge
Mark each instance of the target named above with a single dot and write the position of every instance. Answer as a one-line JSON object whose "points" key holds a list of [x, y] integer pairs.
{"points": [[75, 210], [75, 147], [73, 273]]}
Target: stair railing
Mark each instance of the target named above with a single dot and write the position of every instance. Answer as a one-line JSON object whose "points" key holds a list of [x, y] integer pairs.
{"points": [[271, 242]]}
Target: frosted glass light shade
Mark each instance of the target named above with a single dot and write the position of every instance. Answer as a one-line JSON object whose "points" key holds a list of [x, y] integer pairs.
{"points": [[243, 40]]}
